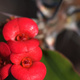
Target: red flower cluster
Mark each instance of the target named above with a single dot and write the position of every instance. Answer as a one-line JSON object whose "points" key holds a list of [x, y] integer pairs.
{"points": [[25, 51]]}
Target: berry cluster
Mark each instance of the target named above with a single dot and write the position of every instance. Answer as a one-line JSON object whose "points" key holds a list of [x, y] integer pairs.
{"points": [[21, 55]]}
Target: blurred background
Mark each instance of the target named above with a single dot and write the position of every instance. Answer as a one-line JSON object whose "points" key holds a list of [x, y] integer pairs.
{"points": [[58, 22]]}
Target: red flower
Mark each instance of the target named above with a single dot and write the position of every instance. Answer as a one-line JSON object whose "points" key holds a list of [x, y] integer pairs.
{"points": [[19, 33], [35, 55], [20, 29], [23, 46], [26, 67], [4, 60], [26, 53]]}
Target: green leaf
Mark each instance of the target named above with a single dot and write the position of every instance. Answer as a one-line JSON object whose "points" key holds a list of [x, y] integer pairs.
{"points": [[1, 37], [58, 66]]}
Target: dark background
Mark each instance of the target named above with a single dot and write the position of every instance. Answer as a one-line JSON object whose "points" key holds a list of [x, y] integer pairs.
{"points": [[25, 8]]}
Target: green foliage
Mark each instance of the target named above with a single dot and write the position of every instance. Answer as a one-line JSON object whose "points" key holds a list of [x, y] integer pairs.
{"points": [[1, 37], [58, 67]]}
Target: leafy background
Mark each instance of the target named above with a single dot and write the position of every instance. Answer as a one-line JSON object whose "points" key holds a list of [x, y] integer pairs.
{"points": [[58, 66]]}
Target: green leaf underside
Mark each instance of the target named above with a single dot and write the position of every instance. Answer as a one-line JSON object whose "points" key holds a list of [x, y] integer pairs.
{"points": [[58, 67]]}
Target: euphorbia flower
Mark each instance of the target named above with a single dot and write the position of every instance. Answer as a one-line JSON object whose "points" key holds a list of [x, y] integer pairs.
{"points": [[4, 60], [35, 54], [23, 46], [20, 29], [26, 54], [19, 33], [26, 67]]}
